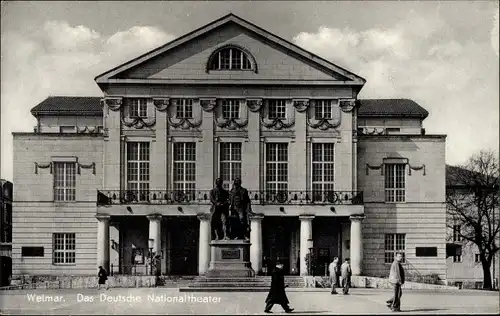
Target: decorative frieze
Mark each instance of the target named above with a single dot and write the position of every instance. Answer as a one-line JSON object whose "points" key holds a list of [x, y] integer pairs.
{"points": [[87, 130], [138, 122], [380, 167], [208, 105], [113, 103], [89, 166], [161, 104], [43, 166], [301, 104], [347, 105], [416, 168], [254, 105]]}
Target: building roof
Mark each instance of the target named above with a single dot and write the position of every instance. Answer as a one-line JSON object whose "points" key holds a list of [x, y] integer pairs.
{"points": [[228, 19], [391, 108], [60, 105], [65, 105]]}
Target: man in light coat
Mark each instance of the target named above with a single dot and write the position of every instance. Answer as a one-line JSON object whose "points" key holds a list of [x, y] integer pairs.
{"points": [[333, 269], [345, 274], [397, 279]]}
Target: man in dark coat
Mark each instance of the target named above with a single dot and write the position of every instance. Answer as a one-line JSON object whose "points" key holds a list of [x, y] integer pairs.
{"points": [[219, 197], [240, 206], [103, 276], [277, 293]]}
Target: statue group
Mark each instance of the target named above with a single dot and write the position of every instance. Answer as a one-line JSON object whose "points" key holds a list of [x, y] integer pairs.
{"points": [[230, 212]]}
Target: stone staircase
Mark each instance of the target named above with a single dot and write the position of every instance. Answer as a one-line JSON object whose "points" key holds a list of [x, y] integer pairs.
{"points": [[238, 284]]}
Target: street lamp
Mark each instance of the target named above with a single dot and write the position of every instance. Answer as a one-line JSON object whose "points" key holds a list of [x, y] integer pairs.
{"points": [[151, 243]]}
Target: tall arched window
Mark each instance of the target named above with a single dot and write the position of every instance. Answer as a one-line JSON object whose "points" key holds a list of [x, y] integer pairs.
{"points": [[230, 58]]}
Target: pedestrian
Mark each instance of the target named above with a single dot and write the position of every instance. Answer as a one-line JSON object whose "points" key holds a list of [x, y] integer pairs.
{"points": [[333, 269], [397, 279], [103, 276], [277, 293], [346, 273]]}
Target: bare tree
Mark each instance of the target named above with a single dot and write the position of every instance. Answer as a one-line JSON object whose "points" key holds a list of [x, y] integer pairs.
{"points": [[472, 197]]}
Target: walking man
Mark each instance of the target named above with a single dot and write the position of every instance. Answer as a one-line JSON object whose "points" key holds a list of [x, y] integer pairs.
{"points": [[346, 273], [102, 276], [397, 279], [333, 269], [277, 293]]}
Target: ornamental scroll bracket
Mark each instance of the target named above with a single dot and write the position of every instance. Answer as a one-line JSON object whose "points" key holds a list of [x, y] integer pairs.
{"points": [[301, 105], [380, 167], [113, 103], [89, 166], [208, 105], [43, 166], [347, 105], [416, 168], [161, 104], [254, 105]]}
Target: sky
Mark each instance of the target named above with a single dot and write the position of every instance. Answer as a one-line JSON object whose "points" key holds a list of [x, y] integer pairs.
{"points": [[443, 55]]}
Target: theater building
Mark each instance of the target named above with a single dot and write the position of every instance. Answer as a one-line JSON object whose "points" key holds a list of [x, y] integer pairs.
{"points": [[104, 180]]}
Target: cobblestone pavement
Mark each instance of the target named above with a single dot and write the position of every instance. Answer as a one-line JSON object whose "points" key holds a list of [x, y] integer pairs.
{"points": [[171, 301]]}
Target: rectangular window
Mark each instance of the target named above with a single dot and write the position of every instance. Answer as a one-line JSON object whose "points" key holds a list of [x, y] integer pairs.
{"points": [[426, 251], [322, 170], [230, 109], [276, 169], [394, 243], [395, 182], [185, 169], [184, 108], [456, 233], [138, 108], [64, 181], [67, 129], [230, 163], [32, 251], [323, 109], [64, 248], [138, 173], [277, 109]]}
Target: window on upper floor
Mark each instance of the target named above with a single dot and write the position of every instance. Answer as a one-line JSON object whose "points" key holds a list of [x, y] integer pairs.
{"points": [[276, 169], [230, 163], [230, 59], [395, 182], [64, 181], [456, 233], [185, 169], [322, 170], [138, 107], [184, 108], [230, 109], [323, 109], [64, 248], [276, 109], [394, 243], [138, 170], [477, 258]]}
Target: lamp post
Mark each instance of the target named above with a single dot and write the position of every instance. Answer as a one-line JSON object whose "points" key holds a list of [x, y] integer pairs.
{"points": [[151, 243]]}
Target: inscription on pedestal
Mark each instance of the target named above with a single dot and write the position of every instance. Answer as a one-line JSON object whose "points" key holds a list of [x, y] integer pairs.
{"points": [[230, 254]]}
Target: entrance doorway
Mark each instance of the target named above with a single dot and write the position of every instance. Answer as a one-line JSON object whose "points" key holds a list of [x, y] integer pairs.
{"points": [[184, 245], [276, 238]]}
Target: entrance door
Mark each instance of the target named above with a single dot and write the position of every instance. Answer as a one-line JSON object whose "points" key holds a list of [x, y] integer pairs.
{"points": [[277, 238], [184, 245], [6, 266]]}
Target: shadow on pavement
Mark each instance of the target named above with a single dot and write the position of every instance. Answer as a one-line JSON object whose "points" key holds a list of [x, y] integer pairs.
{"points": [[423, 310]]}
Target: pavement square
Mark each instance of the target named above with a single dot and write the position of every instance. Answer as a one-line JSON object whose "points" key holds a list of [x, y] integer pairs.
{"points": [[165, 301]]}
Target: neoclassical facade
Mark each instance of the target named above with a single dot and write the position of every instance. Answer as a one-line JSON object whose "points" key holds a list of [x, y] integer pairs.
{"points": [[107, 180]]}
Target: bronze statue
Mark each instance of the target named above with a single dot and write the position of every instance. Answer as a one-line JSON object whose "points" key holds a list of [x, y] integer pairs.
{"points": [[240, 208], [219, 211]]}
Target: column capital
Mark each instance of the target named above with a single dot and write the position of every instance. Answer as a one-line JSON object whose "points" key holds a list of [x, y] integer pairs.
{"points": [[256, 216], [204, 216], [306, 217], [356, 218], [103, 217], [153, 217]]}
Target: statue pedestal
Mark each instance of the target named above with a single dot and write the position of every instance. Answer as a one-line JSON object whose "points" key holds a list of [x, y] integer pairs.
{"points": [[230, 258]]}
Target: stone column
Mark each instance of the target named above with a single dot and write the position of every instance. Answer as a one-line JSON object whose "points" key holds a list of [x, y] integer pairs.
{"points": [[356, 244], [305, 241], [204, 243], [256, 242], [103, 241], [155, 231]]}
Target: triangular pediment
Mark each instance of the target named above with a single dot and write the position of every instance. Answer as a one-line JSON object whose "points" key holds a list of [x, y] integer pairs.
{"points": [[187, 58]]}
